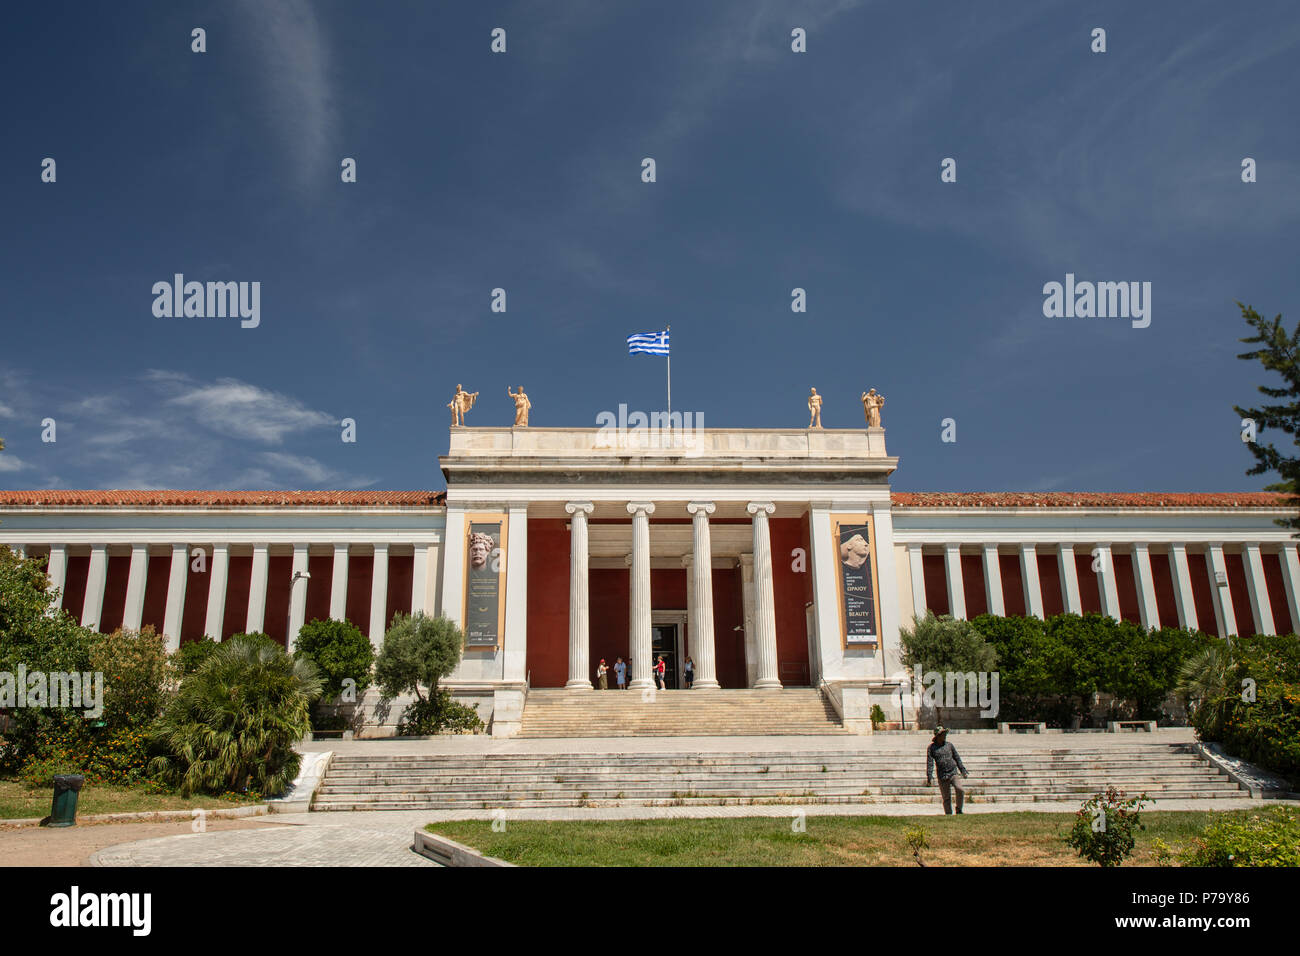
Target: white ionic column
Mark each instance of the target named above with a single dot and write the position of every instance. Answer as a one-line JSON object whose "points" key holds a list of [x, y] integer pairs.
{"points": [[137, 575], [1029, 579], [339, 584], [1260, 606], [297, 596], [256, 620], [764, 598], [1183, 587], [514, 655], [379, 596], [1069, 579], [579, 597], [993, 581], [640, 638], [177, 577], [96, 578], [420, 590], [700, 576], [219, 570], [1291, 578], [1106, 588], [1222, 594], [57, 571], [747, 616], [917, 568], [1146, 587], [956, 589]]}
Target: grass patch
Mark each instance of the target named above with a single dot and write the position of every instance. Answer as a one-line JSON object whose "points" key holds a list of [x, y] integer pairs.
{"points": [[17, 800], [995, 839]]}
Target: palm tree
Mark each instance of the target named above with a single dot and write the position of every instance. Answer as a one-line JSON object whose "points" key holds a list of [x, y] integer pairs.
{"points": [[1204, 678], [234, 721]]}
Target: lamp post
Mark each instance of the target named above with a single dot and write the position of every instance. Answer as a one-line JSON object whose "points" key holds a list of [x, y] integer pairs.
{"points": [[289, 636]]}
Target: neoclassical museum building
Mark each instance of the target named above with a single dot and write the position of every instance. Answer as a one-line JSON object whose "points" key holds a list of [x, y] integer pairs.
{"points": [[772, 557]]}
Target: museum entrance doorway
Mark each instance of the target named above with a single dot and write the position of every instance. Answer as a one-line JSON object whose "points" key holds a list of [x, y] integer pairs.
{"points": [[664, 640]]}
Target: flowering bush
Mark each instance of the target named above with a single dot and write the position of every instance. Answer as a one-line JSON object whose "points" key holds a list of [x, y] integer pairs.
{"points": [[1103, 827]]}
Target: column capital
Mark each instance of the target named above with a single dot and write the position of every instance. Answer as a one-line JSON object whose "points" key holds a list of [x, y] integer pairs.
{"points": [[640, 507], [705, 507], [745, 560], [951, 548], [1178, 547], [688, 560], [586, 507], [1140, 546], [380, 546], [990, 547], [754, 507]]}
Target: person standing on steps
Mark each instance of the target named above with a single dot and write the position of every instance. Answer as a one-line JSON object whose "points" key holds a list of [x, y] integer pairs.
{"points": [[660, 670], [943, 755], [620, 674], [602, 675], [688, 671]]}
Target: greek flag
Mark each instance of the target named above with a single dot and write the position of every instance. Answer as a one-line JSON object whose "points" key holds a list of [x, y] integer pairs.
{"points": [[651, 343]]}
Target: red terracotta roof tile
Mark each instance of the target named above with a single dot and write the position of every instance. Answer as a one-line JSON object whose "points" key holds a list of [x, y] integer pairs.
{"points": [[1088, 499], [116, 497]]}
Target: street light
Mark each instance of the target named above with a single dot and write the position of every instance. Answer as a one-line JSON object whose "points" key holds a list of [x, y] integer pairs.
{"points": [[289, 636]]}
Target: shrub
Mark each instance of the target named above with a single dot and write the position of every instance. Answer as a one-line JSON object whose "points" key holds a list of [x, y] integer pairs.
{"points": [[1103, 827], [233, 724], [340, 651], [1271, 839], [438, 714], [419, 650], [192, 654], [877, 715]]}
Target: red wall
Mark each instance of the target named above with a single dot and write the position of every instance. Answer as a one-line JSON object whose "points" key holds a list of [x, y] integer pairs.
{"points": [[1049, 581], [936, 583], [156, 580], [728, 614], [74, 585], [1282, 622], [357, 608], [114, 607], [1240, 594], [1206, 619], [1089, 596], [1013, 585], [400, 572], [1162, 578], [275, 621], [237, 584], [194, 616], [321, 569], [972, 585], [609, 602], [1126, 587], [788, 585], [548, 605]]}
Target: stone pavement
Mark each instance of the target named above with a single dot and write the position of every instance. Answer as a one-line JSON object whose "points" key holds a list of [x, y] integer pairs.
{"points": [[383, 838]]}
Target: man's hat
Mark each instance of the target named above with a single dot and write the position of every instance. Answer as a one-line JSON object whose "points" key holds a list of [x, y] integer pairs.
{"points": [[940, 730]]}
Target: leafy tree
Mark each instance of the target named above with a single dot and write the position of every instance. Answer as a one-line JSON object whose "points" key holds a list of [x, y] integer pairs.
{"points": [[1279, 352], [340, 651], [233, 725], [418, 650], [947, 645]]}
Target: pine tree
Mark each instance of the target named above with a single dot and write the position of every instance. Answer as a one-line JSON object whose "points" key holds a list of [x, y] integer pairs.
{"points": [[1278, 351]]}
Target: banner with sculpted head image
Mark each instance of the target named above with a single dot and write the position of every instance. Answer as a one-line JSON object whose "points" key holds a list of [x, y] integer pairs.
{"points": [[855, 578], [484, 594]]}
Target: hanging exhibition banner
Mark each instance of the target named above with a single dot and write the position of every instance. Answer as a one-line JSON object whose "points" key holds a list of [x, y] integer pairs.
{"points": [[485, 592], [854, 540]]}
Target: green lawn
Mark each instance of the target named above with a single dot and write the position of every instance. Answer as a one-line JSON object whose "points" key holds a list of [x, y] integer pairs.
{"points": [[997, 839], [17, 800]]}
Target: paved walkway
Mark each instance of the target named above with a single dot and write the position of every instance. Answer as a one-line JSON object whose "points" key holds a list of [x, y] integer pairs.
{"points": [[383, 838], [914, 741]]}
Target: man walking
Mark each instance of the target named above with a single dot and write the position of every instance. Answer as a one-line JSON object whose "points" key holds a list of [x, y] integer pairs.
{"points": [[943, 755]]}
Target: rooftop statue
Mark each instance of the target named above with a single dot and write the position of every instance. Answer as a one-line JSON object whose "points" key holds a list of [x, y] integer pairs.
{"points": [[871, 403], [814, 410], [460, 403], [522, 404]]}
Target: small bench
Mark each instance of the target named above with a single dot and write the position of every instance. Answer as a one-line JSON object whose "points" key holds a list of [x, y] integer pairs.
{"points": [[1021, 727], [1115, 726], [324, 734]]}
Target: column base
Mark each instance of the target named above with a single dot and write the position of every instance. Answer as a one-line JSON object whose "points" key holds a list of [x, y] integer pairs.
{"points": [[706, 685], [640, 683], [577, 685], [767, 683]]}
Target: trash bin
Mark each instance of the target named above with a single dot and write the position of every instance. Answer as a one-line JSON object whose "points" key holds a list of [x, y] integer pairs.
{"points": [[66, 788]]}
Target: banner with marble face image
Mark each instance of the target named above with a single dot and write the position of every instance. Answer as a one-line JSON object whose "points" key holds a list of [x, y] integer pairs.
{"points": [[484, 593], [855, 544]]}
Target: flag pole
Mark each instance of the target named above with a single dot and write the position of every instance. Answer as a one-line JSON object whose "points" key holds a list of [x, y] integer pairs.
{"points": [[670, 376]]}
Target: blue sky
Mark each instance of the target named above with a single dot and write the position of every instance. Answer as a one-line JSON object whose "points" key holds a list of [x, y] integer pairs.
{"points": [[522, 171]]}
